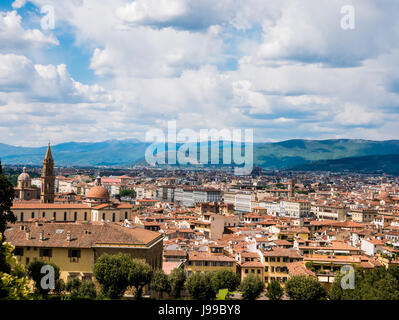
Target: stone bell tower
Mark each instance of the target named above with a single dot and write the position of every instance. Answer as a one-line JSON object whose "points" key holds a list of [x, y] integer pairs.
{"points": [[48, 178]]}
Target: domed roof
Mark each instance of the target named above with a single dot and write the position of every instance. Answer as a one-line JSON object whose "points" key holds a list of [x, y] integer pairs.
{"points": [[23, 176], [98, 192]]}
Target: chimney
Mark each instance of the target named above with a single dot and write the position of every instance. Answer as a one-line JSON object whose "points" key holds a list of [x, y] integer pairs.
{"points": [[69, 238], [41, 237], [27, 233]]}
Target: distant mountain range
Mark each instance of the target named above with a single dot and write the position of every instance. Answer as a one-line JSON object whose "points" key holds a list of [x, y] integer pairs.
{"points": [[388, 164], [296, 154]]}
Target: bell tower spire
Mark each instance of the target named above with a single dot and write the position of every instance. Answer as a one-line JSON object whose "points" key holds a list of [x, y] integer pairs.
{"points": [[47, 178]]}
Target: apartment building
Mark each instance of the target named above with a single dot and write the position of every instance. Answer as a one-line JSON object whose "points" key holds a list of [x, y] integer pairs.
{"points": [[275, 262], [295, 208], [212, 260], [363, 215], [331, 212], [75, 247]]}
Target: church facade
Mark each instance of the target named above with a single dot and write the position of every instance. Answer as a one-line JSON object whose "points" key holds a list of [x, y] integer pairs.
{"points": [[96, 206]]}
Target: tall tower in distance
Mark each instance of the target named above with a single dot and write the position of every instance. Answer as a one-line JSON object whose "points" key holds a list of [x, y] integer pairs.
{"points": [[48, 178], [291, 188]]}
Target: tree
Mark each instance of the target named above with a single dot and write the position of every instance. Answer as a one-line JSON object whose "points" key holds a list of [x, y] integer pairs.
{"points": [[59, 286], [305, 288], [6, 215], [35, 273], [225, 279], [72, 286], [81, 289], [128, 193], [200, 286], [13, 285], [160, 282], [376, 284], [274, 291], [140, 275], [252, 286], [112, 273], [177, 279]]}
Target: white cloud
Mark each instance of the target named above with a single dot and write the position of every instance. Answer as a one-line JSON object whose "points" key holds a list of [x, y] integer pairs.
{"points": [[17, 4], [152, 10], [14, 36], [298, 75]]}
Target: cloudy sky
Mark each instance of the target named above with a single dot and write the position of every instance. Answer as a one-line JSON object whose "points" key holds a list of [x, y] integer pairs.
{"points": [[115, 69]]}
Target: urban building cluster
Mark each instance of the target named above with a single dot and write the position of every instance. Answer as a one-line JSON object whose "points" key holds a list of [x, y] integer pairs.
{"points": [[274, 225]]}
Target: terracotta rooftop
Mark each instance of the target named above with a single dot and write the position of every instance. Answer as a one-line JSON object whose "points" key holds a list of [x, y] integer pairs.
{"points": [[298, 269], [205, 256], [38, 205], [83, 235], [282, 252]]}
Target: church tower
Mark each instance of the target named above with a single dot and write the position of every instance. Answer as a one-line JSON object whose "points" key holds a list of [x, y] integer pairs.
{"points": [[48, 178]]}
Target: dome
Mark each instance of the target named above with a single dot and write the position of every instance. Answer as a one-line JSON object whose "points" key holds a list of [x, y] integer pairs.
{"points": [[98, 192], [23, 176]]}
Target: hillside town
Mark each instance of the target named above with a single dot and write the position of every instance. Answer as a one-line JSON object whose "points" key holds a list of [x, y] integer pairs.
{"points": [[275, 226]]}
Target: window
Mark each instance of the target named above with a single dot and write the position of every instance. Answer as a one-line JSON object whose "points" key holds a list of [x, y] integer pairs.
{"points": [[266, 279], [258, 271], [22, 216], [54, 215], [266, 269], [74, 253], [252, 271], [246, 270], [65, 216], [113, 217], [266, 259], [18, 251], [33, 215], [103, 216], [44, 252], [75, 216], [126, 215], [26, 260], [85, 218], [206, 263], [87, 276], [273, 259], [214, 263]]}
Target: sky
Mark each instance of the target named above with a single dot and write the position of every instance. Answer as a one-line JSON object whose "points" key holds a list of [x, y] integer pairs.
{"points": [[116, 69]]}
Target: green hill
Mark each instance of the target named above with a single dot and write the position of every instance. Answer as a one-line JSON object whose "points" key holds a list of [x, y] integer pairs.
{"points": [[368, 164], [279, 155]]}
